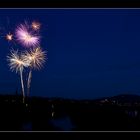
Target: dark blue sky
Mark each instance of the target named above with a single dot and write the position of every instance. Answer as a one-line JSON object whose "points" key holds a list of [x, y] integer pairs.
{"points": [[91, 52]]}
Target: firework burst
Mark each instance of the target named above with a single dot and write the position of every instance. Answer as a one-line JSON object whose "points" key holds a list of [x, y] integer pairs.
{"points": [[17, 64], [9, 37], [15, 61], [35, 25], [35, 58], [26, 37]]}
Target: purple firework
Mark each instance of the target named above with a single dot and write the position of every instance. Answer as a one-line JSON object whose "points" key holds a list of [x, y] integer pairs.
{"points": [[26, 37]]}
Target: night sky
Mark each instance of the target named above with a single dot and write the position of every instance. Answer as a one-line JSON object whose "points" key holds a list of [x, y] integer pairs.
{"points": [[92, 53]]}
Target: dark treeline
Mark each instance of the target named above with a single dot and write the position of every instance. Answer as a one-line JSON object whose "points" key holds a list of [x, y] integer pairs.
{"points": [[116, 113]]}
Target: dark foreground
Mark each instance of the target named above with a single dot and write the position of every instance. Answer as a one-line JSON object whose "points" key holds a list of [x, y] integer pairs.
{"points": [[120, 113]]}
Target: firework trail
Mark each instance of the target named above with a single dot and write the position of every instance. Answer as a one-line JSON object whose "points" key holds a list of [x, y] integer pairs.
{"points": [[22, 84], [29, 81], [17, 64], [35, 58], [27, 37]]}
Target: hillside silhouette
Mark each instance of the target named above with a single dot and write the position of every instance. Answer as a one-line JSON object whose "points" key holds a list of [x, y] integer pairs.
{"points": [[117, 113]]}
